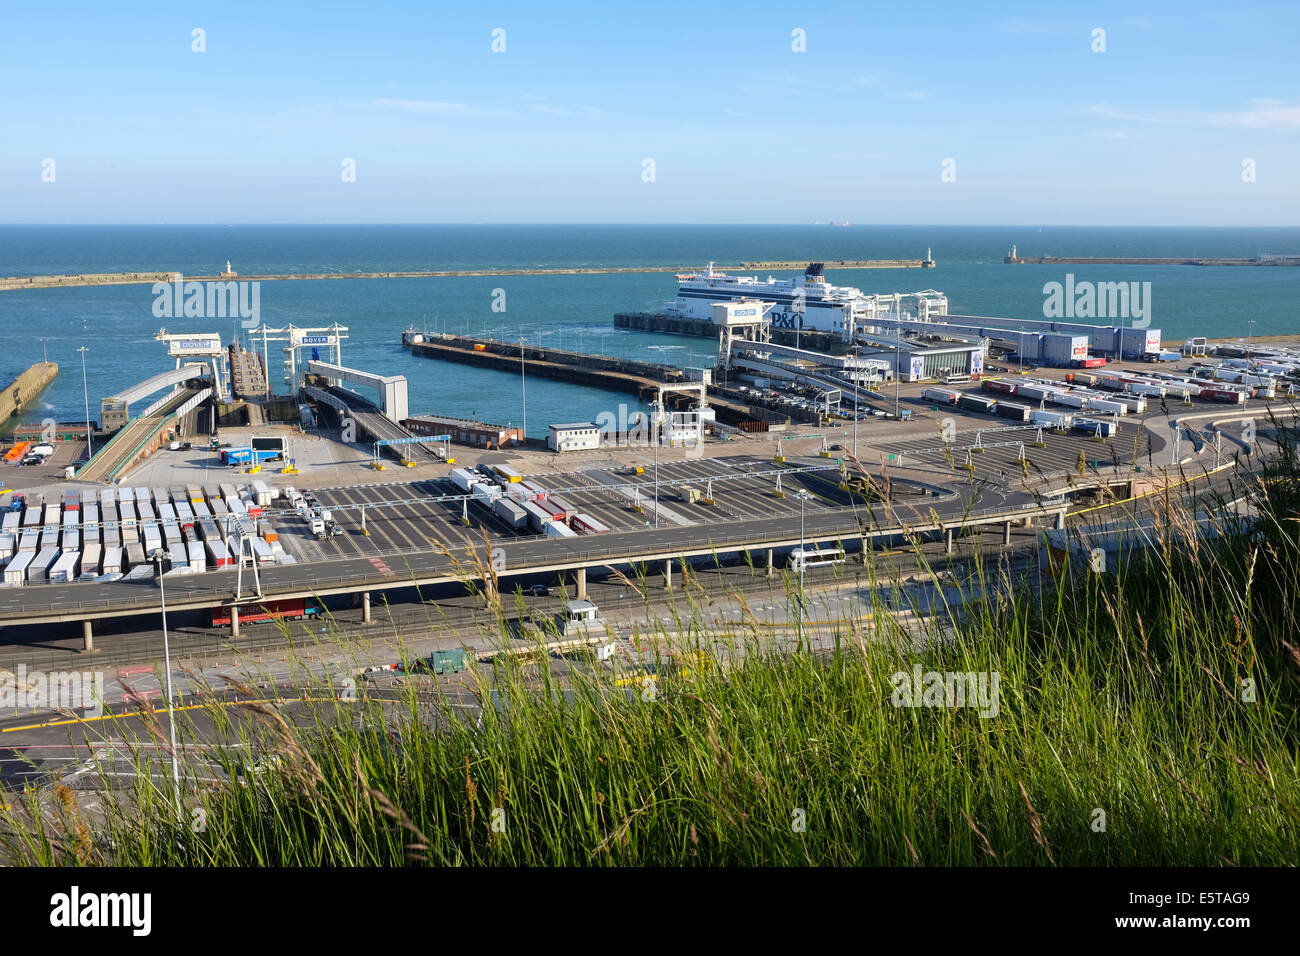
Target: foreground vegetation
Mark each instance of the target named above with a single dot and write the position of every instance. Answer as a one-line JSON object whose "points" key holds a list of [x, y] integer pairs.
{"points": [[1148, 717]]}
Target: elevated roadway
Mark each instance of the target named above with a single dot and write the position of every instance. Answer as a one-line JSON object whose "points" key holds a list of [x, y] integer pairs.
{"points": [[468, 562]]}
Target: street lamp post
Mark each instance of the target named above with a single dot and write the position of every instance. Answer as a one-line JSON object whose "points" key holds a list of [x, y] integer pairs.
{"points": [[44, 355], [897, 370], [803, 559], [523, 389], [654, 434], [85, 394], [157, 557]]}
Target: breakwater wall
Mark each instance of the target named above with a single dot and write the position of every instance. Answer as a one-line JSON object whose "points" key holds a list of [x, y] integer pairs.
{"points": [[1127, 261], [22, 390], [130, 278]]}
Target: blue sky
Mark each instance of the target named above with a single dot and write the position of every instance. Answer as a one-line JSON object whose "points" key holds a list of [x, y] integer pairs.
{"points": [[741, 128]]}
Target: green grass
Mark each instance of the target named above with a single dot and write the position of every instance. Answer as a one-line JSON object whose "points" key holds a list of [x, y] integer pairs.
{"points": [[1163, 699]]}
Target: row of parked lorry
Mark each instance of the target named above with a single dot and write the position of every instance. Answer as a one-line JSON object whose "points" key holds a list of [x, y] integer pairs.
{"points": [[131, 532], [523, 504]]}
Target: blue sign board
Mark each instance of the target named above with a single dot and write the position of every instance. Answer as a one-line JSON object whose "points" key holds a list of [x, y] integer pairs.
{"points": [[412, 441]]}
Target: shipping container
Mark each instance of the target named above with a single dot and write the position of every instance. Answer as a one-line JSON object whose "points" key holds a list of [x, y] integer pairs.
{"points": [[32, 516], [551, 508], [586, 524], [1229, 396], [125, 494], [510, 512], [126, 514], [263, 551], [135, 556], [944, 396], [538, 519], [1136, 404], [201, 511], [1069, 399], [65, 568], [153, 539], [533, 488], [29, 541], [1091, 362], [198, 556], [1152, 389], [1092, 426], [194, 494], [976, 403], [72, 501], [15, 573], [509, 474], [161, 496], [1107, 406], [179, 554], [49, 538], [211, 492], [218, 553], [38, 570], [110, 516], [12, 522], [1047, 419], [71, 520], [558, 529], [293, 610], [1016, 413], [8, 545], [90, 558], [463, 478], [995, 385], [228, 490], [263, 493], [107, 497], [112, 537], [88, 497], [112, 563], [70, 540], [171, 533]]}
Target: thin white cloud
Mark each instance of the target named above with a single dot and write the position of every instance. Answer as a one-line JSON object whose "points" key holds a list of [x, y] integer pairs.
{"points": [[1261, 114], [587, 112], [1110, 134], [912, 95]]}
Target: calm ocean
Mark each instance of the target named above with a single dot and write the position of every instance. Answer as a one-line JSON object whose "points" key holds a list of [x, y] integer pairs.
{"points": [[117, 323]]}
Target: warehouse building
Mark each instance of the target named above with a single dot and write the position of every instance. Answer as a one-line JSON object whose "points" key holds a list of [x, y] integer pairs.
{"points": [[464, 431]]}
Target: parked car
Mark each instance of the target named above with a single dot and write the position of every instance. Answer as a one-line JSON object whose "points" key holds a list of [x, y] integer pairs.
{"points": [[32, 460], [540, 590], [186, 445]]}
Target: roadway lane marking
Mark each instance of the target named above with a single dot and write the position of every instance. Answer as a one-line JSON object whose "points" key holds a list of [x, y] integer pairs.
{"points": [[382, 568]]}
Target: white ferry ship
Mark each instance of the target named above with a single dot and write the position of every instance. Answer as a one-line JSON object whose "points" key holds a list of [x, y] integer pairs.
{"points": [[804, 302]]}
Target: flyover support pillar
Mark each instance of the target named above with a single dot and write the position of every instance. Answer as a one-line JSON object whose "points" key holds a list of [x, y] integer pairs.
{"points": [[87, 638], [365, 607], [582, 583], [234, 621], [1006, 534], [1060, 520], [668, 574], [948, 541], [769, 562]]}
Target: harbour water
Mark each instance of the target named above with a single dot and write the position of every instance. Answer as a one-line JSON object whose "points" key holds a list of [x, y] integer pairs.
{"points": [[117, 323]]}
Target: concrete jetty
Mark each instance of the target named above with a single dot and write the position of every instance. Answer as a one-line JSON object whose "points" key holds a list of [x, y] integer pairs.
{"points": [[12, 283], [22, 390]]}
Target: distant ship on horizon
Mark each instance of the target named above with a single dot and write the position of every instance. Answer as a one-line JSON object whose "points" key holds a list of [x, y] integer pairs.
{"points": [[840, 222]]}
